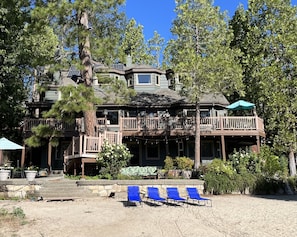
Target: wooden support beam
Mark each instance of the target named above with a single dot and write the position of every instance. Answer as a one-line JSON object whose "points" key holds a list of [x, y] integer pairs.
{"points": [[223, 147]]}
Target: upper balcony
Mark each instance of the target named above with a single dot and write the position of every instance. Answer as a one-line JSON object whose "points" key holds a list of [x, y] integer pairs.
{"points": [[169, 126], [177, 126]]}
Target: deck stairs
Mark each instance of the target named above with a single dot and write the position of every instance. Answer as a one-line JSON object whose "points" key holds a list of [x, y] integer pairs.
{"points": [[58, 188]]}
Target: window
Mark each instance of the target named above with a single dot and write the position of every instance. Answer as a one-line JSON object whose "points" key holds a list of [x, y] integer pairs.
{"points": [[144, 78], [157, 80], [207, 149], [130, 82], [152, 151], [180, 148]]}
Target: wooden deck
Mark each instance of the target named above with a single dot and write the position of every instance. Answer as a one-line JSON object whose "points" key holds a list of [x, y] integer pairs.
{"points": [[85, 149], [209, 126], [88, 147], [172, 126]]}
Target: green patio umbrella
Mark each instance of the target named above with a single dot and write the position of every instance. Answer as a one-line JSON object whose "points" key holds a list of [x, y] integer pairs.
{"points": [[241, 105]]}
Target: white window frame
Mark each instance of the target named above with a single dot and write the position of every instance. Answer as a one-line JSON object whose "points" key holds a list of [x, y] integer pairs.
{"points": [[138, 83]]}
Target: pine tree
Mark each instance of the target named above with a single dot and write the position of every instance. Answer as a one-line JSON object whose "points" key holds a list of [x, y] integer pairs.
{"points": [[88, 31], [266, 35], [201, 54]]}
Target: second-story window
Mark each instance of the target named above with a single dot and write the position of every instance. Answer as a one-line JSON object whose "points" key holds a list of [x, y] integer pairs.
{"points": [[157, 80], [144, 79]]}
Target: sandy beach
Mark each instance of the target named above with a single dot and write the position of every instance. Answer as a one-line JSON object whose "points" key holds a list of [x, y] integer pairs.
{"points": [[230, 215]]}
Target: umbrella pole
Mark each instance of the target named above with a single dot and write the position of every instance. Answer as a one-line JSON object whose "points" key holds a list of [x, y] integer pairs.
{"points": [[1, 155]]}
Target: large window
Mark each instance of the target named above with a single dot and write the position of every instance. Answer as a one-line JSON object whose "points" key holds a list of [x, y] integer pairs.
{"points": [[144, 78], [152, 151]]}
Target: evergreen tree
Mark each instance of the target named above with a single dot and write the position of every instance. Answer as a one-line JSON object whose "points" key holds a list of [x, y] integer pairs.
{"points": [[134, 45], [22, 47], [201, 55], [266, 35], [88, 31], [155, 45]]}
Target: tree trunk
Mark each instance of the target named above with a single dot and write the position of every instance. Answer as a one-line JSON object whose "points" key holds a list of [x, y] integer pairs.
{"points": [[197, 137], [292, 163], [87, 71]]}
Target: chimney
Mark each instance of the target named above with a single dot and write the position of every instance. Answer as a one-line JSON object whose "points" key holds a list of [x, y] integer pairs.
{"points": [[129, 61]]}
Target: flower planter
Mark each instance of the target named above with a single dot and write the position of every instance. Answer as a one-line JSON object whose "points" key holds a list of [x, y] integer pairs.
{"points": [[4, 174], [30, 174]]}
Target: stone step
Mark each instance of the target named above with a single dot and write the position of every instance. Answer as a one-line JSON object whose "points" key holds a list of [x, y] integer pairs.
{"points": [[63, 189]]}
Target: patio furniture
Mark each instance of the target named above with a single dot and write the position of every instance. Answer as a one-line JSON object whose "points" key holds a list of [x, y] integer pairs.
{"points": [[134, 195], [153, 194], [193, 194]]}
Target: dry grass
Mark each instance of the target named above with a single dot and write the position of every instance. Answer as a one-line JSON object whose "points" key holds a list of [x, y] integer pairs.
{"points": [[11, 221]]}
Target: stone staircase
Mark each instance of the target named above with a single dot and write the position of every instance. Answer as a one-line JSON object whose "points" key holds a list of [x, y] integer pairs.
{"points": [[58, 188]]}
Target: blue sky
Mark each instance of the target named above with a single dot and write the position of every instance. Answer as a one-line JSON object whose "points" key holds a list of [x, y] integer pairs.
{"points": [[157, 15]]}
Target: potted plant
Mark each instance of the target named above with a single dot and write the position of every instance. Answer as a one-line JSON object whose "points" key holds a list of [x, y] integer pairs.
{"points": [[31, 173], [5, 172]]}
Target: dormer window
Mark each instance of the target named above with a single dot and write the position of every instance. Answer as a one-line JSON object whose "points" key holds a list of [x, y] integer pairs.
{"points": [[144, 79], [130, 82]]}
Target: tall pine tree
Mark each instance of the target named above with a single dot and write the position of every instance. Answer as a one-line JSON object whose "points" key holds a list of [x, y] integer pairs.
{"points": [[201, 54], [266, 35]]}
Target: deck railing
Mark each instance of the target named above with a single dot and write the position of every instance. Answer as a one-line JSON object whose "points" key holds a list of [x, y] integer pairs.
{"points": [[157, 123], [31, 122], [90, 146], [213, 123]]}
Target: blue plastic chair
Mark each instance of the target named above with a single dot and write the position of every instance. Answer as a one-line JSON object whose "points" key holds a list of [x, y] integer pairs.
{"points": [[194, 195], [153, 194], [173, 194], [134, 194]]}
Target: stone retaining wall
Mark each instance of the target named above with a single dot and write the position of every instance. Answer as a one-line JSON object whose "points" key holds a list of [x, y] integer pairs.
{"points": [[103, 188], [18, 190]]}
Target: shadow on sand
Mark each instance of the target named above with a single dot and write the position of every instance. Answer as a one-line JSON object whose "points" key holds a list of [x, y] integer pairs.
{"points": [[278, 197]]}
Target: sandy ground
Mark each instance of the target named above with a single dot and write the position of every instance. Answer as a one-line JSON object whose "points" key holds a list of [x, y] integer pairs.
{"points": [[231, 215]]}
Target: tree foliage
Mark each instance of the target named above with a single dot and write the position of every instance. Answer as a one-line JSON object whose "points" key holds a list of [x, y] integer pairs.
{"points": [[201, 54], [133, 43], [22, 46], [74, 101], [265, 33]]}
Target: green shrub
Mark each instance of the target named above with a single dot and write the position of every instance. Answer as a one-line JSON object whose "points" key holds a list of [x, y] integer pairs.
{"points": [[169, 164], [244, 161], [272, 165], [292, 181], [268, 185], [184, 163], [218, 166], [219, 178], [18, 212], [218, 183], [112, 158]]}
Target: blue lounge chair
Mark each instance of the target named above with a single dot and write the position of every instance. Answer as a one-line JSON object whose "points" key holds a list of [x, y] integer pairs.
{"points": [[173, 194], [134, 194], [153, 194], [193, 194]]}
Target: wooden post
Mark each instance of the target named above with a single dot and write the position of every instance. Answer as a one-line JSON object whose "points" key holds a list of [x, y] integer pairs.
{"points": [[23, 156], [74, 167], [223, 148], [258, 143], [82, 168], [49, 157]]}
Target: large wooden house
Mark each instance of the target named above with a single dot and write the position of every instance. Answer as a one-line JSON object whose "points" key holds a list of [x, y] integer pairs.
{"points": [[156, 123]]}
